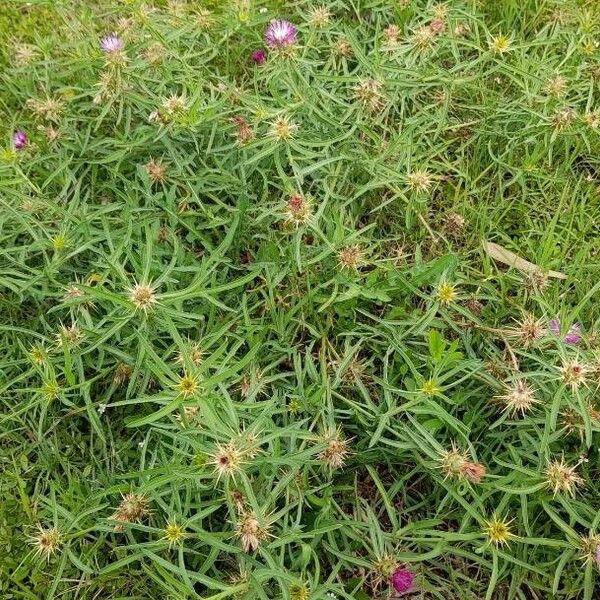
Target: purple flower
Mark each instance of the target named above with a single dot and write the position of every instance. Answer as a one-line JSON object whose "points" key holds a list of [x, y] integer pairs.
{"points": [[402, 580], [259, 57], [573, 336], [20, 140], [111, 44], [280, 33]]}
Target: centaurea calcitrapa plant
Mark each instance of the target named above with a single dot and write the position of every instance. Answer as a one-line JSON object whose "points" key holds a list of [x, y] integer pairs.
{"points": [[252, 343]]}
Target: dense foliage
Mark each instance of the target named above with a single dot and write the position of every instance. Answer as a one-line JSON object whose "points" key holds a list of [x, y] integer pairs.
{"points": [[255, 340]]}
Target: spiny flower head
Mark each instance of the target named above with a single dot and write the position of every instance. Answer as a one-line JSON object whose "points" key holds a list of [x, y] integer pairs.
{"points": [[112, 44], [143, 296], [20, 140], [573, 373], [204, 18], [250, 531], [48, 108], [383, 569], [341, 48], [420, 181], [24, 54], [299, 592], [174, 104], [446, 293], [560, 477], [227, 460], [422, 39], [282, 128], [68, 335], [280, 33], [556, 86], [437, 26], [589, 546], [498, 531], [369, 94], [193, 353], [122, 373], [47, 541], [50, 389], [38, 354], [319, 16], [391, 34], [187, 385], [297, 211], [132, 509], [500, 44], [519, 396], [173, 533], [528, 330], [592, 119], [402, 580], [190, 413], [456, 463], [243, 131], [564, 118], [351, 257], [336, 451], [157, 171], [430, 388]]}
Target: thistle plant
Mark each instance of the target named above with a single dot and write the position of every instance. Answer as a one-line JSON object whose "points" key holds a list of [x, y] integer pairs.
{"points": [[299, 299]]}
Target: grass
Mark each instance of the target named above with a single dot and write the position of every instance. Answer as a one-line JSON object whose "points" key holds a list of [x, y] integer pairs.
{"points": [[253, 344]]}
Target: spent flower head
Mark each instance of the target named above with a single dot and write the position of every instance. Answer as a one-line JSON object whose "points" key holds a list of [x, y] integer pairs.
{"points": [[369, 94], [336, 451], [573, 373], [297, 211], [227, 460], [319, 16], [351, 257], [282, 128], [562, 478], [143, 296], [518, 397], [47, 541], [250, 531]]}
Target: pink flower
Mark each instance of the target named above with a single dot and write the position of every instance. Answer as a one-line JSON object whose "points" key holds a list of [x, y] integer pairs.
{"points": [[20, 140], [573, 336], [280, 33], [402, 580], [111, 44], [259, 57]]}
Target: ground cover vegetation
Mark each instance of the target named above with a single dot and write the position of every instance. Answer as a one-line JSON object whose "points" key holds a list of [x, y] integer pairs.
{"points": [[299, 299]]}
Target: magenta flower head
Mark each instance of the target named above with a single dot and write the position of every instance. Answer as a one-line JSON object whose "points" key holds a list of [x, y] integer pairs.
{"points": [[259, 57], [111, 44], [402, 580], [573, 336], [280, 33], [20, 140]]}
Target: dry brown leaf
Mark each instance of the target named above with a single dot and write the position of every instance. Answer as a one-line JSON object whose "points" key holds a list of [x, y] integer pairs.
{"points": [[511, 259]]}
